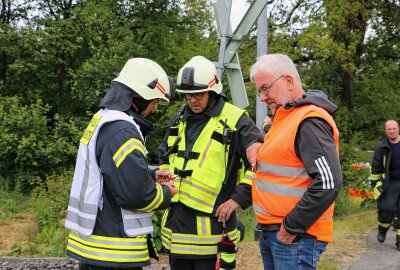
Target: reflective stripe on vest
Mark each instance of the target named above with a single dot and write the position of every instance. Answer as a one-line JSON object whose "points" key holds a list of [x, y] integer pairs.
{"points": [[200, 190], [281, 179], [87, 185], [109, 249]]}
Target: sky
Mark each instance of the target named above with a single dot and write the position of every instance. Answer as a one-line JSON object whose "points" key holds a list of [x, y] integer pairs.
{"points": [[239, 8]]}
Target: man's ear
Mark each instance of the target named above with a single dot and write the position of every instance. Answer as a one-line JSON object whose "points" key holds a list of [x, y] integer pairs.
{"points": [[289, 82]]}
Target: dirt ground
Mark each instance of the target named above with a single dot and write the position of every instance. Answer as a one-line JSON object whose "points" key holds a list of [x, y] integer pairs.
{"points": [[14, 230]]}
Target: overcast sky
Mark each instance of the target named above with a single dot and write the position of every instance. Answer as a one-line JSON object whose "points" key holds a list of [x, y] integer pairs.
{"points": [[239, 8]]}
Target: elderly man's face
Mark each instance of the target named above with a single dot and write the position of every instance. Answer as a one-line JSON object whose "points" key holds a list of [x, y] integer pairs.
{"points": [[271, 89]]}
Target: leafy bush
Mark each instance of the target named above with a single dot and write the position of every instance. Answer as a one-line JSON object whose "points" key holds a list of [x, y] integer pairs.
{"points": [[32, 145]]}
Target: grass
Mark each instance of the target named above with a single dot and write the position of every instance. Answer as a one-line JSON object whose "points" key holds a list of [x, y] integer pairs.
{"points": [[20, 234], [16, 221]]}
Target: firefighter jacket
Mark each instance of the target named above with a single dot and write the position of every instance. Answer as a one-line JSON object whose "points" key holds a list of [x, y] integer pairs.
{"points": [[208, 153], [380, 169], [298, 174], [113, 194]]}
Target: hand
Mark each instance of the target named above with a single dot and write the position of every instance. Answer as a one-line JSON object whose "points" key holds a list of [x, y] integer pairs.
{"points": [[174, 189], [267, 120], [225, 210], [285, 237], [251, 153], [162, 175]]}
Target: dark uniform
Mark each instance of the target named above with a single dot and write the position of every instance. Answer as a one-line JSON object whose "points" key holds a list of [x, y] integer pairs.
{"points": [[181, 218]]}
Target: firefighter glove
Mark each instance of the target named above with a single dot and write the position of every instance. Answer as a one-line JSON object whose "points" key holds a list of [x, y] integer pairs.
{"points": [[378, 189], [226, 256]]}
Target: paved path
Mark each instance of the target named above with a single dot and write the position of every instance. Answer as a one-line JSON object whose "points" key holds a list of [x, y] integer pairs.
{"points": [[379, 256]]}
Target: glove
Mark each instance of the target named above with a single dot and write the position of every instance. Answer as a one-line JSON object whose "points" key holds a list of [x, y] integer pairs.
{"points": [[226, 256], [378, 189]]}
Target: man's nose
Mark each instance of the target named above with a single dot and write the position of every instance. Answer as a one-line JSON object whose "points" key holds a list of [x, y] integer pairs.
{"points": [[264, 98]]}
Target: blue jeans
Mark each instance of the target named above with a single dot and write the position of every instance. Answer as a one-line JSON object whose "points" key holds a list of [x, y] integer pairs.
{"points": [[301, 255]]}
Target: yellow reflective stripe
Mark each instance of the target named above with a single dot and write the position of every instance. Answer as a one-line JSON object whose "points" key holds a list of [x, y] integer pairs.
{"points": [[191, 249], [376, 177], [247, 178], [157, 200], [111, 242], [398, 232], [166, 235], [87, 135], [126, 250], [203, 225], [126, 149], [384, 225], [101, 254]]}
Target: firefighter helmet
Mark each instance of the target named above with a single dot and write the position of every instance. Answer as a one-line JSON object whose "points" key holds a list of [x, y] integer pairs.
{"points": [[147, 78], [198, 75]]}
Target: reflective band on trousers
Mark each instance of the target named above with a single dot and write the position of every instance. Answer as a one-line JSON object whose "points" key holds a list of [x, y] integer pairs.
{"points": [[109, 248]]}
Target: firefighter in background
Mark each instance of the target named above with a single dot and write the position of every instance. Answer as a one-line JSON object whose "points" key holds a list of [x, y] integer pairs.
{"points": [[206, 146], [385, 179], [113, 193]]}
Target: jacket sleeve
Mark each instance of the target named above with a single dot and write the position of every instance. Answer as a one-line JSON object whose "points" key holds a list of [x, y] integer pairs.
{"points": [[316, 148], [248, 133], [377, 166], [125, 170]]}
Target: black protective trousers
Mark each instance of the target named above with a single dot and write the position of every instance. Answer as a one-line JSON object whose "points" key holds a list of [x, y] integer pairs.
{"points": [[389, 202], [192, 264]]}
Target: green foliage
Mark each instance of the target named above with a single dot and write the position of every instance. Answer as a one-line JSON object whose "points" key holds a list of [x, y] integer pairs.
{"points": [[51, 199], [11, 204], [31, 145]]}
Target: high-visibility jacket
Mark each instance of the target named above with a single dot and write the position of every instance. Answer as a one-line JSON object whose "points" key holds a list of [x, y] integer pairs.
{"points": [[201, 173], [281, 178], [86, 199]]}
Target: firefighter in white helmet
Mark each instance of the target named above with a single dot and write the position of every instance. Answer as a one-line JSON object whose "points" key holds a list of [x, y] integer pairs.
{"points": [[205, 146], [113, 193]]}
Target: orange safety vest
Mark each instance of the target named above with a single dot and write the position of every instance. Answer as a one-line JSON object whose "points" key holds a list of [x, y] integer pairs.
{"points": [[281, 178]]}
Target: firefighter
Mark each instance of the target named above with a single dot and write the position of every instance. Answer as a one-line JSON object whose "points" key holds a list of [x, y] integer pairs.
{"points": [[207, 144], [113, 192], [385, 179]]}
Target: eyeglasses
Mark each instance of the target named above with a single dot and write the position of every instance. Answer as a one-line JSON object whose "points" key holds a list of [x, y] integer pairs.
{"points": [[197, 96], [265, 88]]}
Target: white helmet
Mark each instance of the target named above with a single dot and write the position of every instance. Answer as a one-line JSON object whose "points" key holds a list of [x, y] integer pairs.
{"points": [[147, 78], [198, 75]]}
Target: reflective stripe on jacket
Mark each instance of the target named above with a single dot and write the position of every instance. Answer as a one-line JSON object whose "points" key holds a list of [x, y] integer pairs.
{"points": [[206, 164], [109, 249], [281, 179], [87, 185]]}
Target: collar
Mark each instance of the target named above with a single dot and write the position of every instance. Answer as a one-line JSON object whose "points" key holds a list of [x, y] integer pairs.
{"points": [[144, 124]]}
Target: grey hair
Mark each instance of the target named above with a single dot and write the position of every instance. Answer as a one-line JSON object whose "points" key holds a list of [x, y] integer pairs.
{"points": [[275, 64]]}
